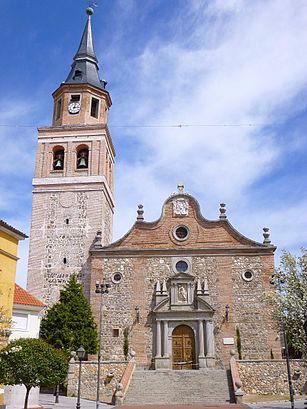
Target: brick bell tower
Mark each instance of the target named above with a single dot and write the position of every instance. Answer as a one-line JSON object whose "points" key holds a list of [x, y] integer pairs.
{"points": [[73, 181]]}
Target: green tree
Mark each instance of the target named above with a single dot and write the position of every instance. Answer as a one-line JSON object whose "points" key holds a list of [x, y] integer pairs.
{"points": [[70, 323], [290, 299], [32, 362]]}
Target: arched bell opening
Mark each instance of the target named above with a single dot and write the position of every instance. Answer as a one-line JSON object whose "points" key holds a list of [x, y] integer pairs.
{"points": [[183, 348], [58, 158], [82, 157]]}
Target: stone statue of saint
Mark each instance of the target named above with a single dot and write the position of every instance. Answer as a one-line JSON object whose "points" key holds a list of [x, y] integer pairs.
{"points": [[182, 293]]}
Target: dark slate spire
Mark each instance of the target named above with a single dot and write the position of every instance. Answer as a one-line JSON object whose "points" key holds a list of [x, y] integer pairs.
{"points": [[84, 69]]}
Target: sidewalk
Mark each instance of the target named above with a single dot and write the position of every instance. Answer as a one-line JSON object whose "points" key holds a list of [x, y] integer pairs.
{"points": [[298, 404], [47, 401]]}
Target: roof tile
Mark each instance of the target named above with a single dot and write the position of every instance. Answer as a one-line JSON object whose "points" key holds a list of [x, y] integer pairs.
{"points": [[22, 296]]}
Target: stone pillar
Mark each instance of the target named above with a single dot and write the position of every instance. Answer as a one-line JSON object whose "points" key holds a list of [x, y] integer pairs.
{"points": [[165, 339], [210, 358], [201, 348], [201, 338], [158, 338], [162, 362]]}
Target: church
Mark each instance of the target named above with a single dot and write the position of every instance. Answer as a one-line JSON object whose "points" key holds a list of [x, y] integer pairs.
{"points": [[184, 290]]}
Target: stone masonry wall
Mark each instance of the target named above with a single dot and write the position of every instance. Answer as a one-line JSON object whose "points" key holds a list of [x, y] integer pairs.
{"points": [[246, 300], [64, 225], [89, 379], [270, 377]]}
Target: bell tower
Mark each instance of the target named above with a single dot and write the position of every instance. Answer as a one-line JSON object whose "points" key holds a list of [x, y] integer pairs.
{"points": [[73, 180]]}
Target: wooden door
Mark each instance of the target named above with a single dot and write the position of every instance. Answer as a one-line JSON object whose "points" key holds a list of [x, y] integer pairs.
{"points": [[183, 347]]}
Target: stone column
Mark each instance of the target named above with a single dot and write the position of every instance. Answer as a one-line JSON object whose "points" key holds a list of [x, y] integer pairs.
{"points": [[158, 339], [202, 362], [165, 339], [210, 344], [201, 339]]}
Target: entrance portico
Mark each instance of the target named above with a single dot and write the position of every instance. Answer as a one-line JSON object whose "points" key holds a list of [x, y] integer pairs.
{"points": [[195, 316]]}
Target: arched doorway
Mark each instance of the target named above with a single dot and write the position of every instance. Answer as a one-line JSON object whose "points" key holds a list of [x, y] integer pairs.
{"points": [[183, 348]]}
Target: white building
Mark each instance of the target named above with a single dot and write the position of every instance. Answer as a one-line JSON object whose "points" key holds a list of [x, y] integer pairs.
{"points": [[26, 318]]}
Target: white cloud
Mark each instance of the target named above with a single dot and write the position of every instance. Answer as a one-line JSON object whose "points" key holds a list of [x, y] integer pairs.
{"points": [[227, 62], [249, 67]]}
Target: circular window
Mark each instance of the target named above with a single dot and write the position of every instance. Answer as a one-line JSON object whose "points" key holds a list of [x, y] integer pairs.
{"points": [[117, 278], [181, 266], [181, 232], [248, 275]]}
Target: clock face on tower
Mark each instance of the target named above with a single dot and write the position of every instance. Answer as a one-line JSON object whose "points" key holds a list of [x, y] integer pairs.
{"points": [[74, 107]]}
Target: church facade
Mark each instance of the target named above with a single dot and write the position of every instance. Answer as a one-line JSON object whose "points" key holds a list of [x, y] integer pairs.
{"points": [[184, 289]]}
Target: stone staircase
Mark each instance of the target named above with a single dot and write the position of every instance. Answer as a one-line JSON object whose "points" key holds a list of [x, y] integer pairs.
{"points": [[178, 387]]}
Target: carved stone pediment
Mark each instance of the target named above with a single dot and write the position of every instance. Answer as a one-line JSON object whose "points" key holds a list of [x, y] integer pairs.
{"points": [[203, 305], [163, 306], [182, 293]]}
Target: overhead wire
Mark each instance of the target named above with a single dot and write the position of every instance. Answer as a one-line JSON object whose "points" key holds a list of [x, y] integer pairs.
{"points": [[150, 126]]}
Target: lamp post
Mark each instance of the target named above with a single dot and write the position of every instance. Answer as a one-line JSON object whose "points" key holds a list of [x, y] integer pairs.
{"points": [[279, 281], [101, 288], [80, 355]]}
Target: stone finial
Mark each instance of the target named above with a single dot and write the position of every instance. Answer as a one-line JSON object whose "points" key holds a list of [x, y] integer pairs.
{"points": [[158, 287], [239, 393], [73, 355], [223, 211], [164, 289], [140, 212], [98, 240], [232, 352], [266, 235], [132, 353], [206, 288], [119, 394], [180, 188]]}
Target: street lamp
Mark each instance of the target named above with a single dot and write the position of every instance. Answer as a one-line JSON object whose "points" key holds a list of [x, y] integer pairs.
{"points": [[80, 355], [279, 281], [101, 288]]}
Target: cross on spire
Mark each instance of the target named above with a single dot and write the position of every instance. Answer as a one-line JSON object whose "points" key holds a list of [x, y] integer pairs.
{"points": [[180, 187], [84, 69]]}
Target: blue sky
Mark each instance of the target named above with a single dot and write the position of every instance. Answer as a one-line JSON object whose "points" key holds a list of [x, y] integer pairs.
{"points": [[169, 62]]}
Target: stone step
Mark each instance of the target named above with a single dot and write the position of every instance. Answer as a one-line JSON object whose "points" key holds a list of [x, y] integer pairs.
{"points": [[186, 386]]}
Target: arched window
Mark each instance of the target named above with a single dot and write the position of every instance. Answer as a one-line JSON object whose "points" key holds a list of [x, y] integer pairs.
{"points": [[82, 157], [58, 158]]}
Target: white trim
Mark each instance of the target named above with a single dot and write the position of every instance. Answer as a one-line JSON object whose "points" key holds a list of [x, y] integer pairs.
{"points": [[248, 279], [176, 228], [68, 180]]}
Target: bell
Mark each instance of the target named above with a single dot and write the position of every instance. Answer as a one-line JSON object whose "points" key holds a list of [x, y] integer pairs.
{"points": [[58, 164], [82, 163]]}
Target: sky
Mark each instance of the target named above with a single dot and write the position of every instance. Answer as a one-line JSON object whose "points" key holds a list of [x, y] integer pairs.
{"points": [[208, 93]]}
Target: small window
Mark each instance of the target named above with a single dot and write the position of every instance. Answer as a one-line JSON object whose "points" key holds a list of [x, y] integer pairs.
{"points": [[75, 98], [94, 107], [64, 260], [19, 321], [117, 278], [248, 275], [181, 233], [58, 109], [115, 332], [181, 266], [77, 75], [82, 158], [58, 159], [67, 221]]}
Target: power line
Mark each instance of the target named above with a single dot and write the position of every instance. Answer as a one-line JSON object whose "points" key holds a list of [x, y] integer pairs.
{"points": [[151, 126]]}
